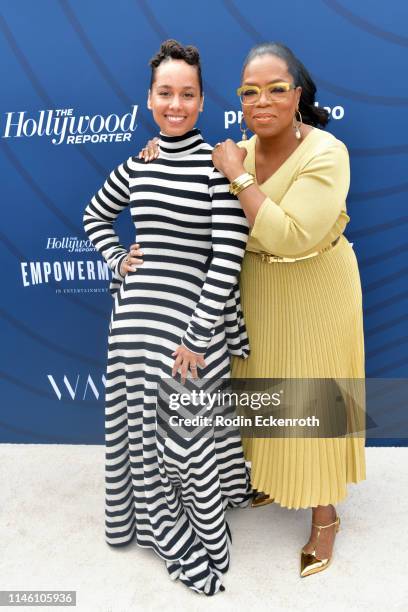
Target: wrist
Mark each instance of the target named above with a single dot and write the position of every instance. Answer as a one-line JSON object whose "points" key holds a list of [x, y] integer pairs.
{"points": [[118, 267], [195, 353], [235, 173]]}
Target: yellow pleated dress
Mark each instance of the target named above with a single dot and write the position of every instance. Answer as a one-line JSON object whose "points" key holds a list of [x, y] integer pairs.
{"points": [[304, 319]]}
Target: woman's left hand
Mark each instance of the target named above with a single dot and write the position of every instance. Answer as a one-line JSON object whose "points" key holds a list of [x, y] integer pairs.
{"points": [[186, 360], [228, 158]]}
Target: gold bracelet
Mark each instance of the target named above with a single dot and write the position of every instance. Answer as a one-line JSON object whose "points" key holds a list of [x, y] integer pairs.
{"points": [[243, 186], [241, 182], [241, 179]]}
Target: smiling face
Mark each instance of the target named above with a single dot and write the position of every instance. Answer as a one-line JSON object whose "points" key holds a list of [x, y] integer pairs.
{"points": [[175, 99], [267, 118]]}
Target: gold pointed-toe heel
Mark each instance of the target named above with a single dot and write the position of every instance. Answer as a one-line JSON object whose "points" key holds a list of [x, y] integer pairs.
{"points": [[309, 562], [261, 499]]}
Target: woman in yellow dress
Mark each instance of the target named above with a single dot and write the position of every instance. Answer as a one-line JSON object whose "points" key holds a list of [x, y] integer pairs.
{"points": [[300, 285]]}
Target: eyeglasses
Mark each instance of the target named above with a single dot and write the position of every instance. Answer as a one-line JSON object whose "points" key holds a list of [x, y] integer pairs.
{"points": [[274, 92]]}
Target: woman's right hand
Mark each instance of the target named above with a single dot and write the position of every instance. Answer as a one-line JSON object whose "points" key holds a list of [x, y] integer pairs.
{"points": [[130, 262], [151, 151]]}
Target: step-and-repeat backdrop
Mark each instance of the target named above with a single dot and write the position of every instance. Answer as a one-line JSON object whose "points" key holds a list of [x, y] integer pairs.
{"points": [[73, 105]]}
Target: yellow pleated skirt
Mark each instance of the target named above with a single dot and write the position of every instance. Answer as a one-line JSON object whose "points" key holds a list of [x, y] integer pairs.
{"points": [[304, 320]]}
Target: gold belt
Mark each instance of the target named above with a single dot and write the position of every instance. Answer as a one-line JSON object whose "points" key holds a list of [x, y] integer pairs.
{"points": [[268, 258]]}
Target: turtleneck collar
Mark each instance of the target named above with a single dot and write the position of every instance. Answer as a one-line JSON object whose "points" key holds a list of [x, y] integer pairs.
{"points": [[179, 146]]}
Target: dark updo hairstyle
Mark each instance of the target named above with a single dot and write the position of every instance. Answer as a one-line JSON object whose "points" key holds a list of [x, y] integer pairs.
{"points": [[311, 114], [172, 49]]}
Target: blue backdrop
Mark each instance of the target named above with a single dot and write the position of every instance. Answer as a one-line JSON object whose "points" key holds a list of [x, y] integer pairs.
{"points": [[75, 77]]}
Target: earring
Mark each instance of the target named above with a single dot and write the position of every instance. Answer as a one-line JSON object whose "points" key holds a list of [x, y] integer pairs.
{"points": [[297, 123], [243, 129]]}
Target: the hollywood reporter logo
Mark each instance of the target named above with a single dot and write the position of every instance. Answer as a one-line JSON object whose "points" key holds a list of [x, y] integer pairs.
{"points": [[70, 243], [63, 126]]}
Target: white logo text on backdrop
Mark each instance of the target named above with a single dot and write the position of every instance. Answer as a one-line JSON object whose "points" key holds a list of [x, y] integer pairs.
{"points": [[65, 127]]}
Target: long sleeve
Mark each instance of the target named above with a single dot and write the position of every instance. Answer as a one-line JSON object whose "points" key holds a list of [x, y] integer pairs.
{"points": [[309, 208], [99, 216], [229, 235]]}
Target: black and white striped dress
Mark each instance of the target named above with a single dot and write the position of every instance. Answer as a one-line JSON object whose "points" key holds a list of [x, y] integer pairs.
{"points": [[171, 493]]}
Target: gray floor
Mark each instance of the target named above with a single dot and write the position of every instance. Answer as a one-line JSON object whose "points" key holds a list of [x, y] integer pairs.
{"points": [[52, 538]]}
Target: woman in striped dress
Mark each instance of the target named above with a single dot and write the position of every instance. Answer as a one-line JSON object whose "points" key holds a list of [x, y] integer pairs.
{"points": [[178, 311]]}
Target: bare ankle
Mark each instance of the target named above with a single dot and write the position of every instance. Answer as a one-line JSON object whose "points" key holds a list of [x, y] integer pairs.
{"points": [[324, 513]]}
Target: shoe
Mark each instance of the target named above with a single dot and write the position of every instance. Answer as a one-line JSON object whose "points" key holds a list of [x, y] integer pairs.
{"points": [[309, 562], [261, 499]]}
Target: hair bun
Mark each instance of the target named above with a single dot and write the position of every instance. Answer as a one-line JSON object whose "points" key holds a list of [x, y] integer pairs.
{"points": [[171, 45], [172, 49]]}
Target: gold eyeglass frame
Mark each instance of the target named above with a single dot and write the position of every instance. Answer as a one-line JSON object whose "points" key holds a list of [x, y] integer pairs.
{"points": [[259, 90]]}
